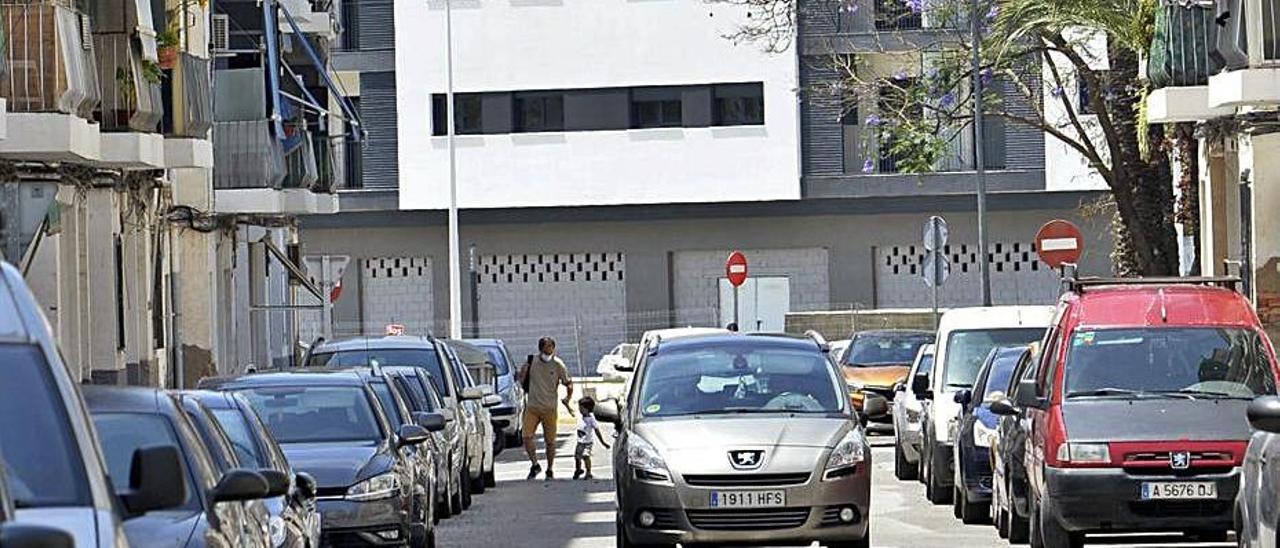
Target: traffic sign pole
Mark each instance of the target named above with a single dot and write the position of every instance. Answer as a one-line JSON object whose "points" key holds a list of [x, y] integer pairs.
{"points": [[735, 269], [935, 269]]}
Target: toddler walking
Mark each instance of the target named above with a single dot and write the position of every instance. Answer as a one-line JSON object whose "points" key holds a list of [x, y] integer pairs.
{"points": [[588, 433]]}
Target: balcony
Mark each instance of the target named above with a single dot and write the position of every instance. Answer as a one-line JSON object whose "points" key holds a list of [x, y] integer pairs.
{"points": [[1249, 48], [315, 17], [882, 26], [1179, 63], [255, 173], [132, 104], [51, 87], [190, 118]]}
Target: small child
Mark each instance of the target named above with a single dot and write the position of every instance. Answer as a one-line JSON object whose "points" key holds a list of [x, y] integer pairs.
{"points": [[586, 428]]}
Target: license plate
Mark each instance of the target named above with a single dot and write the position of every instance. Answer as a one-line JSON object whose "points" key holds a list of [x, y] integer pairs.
{"points": [[1185, 490], [748, 499]]}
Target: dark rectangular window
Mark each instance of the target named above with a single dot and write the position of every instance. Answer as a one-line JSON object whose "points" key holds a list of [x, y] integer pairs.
{"points": [[738, 104], [897, 15], [468, 108], [119, 283], [656, 107], [350, 26], [539, 111], [353, 153]]}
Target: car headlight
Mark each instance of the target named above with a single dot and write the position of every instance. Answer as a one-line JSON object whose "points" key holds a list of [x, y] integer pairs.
{"points": [[850, 452], [855, 387], [375, 488], [644, 458], [279, 533], [983, 436], [1084, 453]]}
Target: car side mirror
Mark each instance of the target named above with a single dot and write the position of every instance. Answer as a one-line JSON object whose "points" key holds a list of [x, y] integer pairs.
{"points": [[874, 406], [490, 400], [240, 485], [472, 393], [411, 434], [964, 397], [156, 480], [899, 386], [1264, 414], [277, 482], [433, 422], [449, 415], [306, 483], [920, 385], [23, 535], [1004, 407], [1026, 397], [608, 411]]}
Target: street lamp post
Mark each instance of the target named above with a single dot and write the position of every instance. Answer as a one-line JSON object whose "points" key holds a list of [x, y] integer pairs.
{"points": [[455, 251], [979, 159]]}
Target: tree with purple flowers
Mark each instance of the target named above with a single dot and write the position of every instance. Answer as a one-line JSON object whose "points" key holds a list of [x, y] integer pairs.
{"points": [[1068, 68]]}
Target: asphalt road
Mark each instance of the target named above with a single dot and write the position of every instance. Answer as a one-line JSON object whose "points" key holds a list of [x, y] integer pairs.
{"points": [[577, 514]]}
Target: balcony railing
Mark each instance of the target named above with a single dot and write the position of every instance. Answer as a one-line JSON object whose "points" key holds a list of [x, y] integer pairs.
{"points": [[51, 68], [1249, 37], [131, 97], [192, 112], [326, 164], [300, 162], [1180, 53], [247, 155]]}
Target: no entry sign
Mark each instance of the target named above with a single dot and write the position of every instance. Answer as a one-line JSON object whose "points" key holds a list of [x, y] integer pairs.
{"points": [[1059, 242], [735, 268]]}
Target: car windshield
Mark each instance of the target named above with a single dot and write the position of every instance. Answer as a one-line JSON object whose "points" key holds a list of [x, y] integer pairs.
{"points": [[880, 349], [242, 440], [999, 377], [498, 358], [313, 414], [1206, 361], [424, 358], [42, 461], [123, 434], [739, 379], [383, 391], [968, 349]]}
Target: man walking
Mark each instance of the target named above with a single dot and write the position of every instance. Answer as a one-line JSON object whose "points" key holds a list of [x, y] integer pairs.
{"points": [[542, 377]]}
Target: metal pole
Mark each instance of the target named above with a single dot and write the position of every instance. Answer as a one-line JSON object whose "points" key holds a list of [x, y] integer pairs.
{"points": [[455, 260], [474, 271], [979, 160], [736, 290], [326, 304], [937, 277]]}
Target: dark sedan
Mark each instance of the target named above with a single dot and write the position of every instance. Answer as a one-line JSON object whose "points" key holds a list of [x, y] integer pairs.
{"points": [[976, 431], [331, 426], [1008, 464]]}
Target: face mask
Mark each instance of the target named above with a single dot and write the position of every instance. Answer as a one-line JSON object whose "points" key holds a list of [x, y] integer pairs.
{"points": [[546, 357]]}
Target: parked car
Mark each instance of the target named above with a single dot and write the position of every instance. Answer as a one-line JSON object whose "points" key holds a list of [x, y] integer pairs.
{"points": [[1135, 409], [730, 439], [620, 356], [22, 535], [421, 459], [508, 416], [908, 413], [965, 337], [481, 450], [1257, 509], [433, 356], [294, 518], [447, 444], [876, 361], [1009, 499], [53, 462], [976, 432], [206, 506], [330, 425]]}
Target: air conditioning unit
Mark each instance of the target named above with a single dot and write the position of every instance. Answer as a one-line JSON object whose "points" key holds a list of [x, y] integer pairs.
{"points": [[220, 37]]}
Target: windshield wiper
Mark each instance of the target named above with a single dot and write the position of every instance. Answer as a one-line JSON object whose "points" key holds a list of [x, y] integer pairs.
{"points": [[745, 411], [1208, 394], [959, 385], [1111, 391]]}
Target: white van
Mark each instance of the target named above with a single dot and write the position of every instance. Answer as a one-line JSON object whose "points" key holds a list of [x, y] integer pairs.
{"points": [[965, 337]]}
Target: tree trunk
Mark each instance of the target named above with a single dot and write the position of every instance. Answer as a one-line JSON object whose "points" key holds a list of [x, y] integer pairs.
{"points": [[1146, 242]]}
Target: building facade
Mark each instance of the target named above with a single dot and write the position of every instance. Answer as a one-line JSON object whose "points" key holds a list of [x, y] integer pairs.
{"points": [[606, 170]]}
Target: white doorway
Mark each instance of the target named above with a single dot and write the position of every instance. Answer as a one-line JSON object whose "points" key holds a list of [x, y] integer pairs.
{"points": [[763, 304]]}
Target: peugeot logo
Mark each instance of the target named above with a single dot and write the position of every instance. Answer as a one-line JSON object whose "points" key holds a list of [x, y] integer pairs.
{"points": [[1180, 460], [746, 460]]}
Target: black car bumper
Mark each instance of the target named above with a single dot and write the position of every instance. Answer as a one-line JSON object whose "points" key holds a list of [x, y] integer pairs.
{"points": [[1111, 500], [373, 523]]}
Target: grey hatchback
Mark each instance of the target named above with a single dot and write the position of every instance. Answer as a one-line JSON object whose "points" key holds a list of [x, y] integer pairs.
{"points": [[732, 438]]}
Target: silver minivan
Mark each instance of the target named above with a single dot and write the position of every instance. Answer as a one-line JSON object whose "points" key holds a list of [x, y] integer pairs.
{"points": [[728, 438]]}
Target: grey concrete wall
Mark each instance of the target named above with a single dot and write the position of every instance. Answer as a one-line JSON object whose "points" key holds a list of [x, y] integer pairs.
{"points": [[698, 273], [650, 244]]}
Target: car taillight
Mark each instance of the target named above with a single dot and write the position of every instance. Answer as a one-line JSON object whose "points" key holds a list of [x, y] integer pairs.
{"points": [[1060, 453]]}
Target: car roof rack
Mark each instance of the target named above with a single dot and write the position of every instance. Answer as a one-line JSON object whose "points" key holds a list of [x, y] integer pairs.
{"points": [[1080, 285], [819, 339]]}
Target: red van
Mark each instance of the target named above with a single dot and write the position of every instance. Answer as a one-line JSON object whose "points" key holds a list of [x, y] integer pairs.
{"points": [[1136, 410]]}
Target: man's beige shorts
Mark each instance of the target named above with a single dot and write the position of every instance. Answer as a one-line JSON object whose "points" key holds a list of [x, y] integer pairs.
{"points": [[534, 417]]}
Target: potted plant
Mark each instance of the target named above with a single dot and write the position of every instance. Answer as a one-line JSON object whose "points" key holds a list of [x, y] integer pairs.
{"points": [[167, 44]]}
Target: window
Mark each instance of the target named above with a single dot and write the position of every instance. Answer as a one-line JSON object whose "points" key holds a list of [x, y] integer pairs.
{"points": [[468, 108], [388, 402], [241, 436], [41, 459], [353, 151], [1083, 105], [881, 349], [121, 434], [315, 414], [738, 104], [656, 107], [1205, 362], [966, 351], [539, 111], [424, 358]]}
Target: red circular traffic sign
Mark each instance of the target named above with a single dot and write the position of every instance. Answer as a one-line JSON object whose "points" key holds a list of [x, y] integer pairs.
{"points": [[736, 268], [1059, 242]]}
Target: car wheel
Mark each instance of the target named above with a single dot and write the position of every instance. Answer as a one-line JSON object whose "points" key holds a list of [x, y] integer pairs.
{"points": [[625, 542], [971, 513], [934, 490], [1052, 534], [957, 500], [491, 477], [1019, 528], [466, 490], [478, 484], [1002, 522], [902, 469], [864, 542], [431, 538]]}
